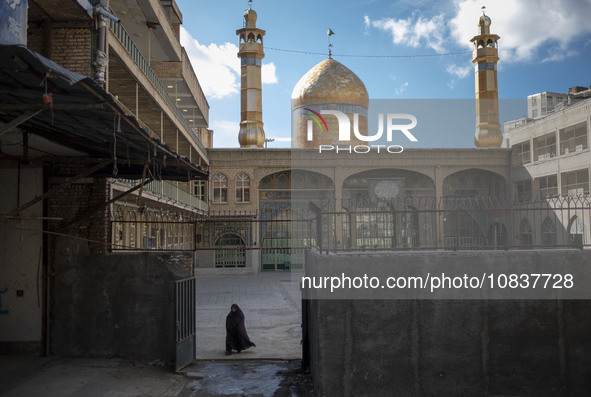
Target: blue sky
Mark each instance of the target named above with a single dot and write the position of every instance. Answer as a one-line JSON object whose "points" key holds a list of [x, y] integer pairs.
{"points": [[545, 45]]}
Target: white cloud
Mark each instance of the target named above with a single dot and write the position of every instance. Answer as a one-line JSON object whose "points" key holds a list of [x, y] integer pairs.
{"points": [[225, 133], [269, 74], [413, 32], [218, 68], [529, 29], [459, 71], [559, 53]]}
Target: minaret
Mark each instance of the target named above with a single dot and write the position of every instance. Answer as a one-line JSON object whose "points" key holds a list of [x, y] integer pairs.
{"points": [[250, 52], [486, 56]]}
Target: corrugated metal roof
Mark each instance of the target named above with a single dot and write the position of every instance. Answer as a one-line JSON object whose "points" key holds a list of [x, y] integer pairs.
{"points": [[84, 117]]}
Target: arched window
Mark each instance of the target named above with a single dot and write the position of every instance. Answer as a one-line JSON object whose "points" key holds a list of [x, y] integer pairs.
{"points": [[220, 188], [576, 232], [525, 234], [242, 188], [282, 181], [298, 181], [548, 232], [266, 182]]}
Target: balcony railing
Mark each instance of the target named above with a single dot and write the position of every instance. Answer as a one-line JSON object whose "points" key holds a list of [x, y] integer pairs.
{"points": [[168, 191], [576, 189], [141, 62], [549, 191], [573, 144], [545, 152]]}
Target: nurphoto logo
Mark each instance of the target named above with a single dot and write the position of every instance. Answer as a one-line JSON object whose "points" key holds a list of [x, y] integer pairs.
{"points": [[345, 131]]}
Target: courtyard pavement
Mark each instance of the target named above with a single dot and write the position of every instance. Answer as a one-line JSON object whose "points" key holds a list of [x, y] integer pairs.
{"points": [[272, 311]]}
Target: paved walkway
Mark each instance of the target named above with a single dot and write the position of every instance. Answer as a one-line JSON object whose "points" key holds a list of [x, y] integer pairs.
{"points": [[272, 311]]}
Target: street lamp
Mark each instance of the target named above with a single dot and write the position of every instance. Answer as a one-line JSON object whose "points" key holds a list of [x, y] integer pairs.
{"points": [[269, 140]]}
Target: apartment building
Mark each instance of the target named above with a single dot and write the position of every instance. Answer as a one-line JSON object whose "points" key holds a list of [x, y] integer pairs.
{"points": [[541, 104], [550, 154], [101, 117]]}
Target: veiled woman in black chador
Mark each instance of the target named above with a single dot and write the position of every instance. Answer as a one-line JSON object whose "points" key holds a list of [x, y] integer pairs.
{"points": [[236, 336]]}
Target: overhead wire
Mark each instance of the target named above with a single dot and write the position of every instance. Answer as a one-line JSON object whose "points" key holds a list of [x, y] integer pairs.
{"points": [[372, 56]]}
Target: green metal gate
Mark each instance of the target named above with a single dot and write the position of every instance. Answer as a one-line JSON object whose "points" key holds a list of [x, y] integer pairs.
{"points": [[230, 251]]}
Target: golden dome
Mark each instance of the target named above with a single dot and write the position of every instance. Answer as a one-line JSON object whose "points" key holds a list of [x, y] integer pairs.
{"points": [[329, 82]]}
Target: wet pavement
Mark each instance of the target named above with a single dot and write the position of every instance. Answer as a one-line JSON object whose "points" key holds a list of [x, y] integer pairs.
{"points": [[268, 378]]}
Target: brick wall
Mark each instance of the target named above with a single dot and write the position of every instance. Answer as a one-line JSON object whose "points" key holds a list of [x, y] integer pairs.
{"points": [[71, 48], [167, 69], [73, 201]]}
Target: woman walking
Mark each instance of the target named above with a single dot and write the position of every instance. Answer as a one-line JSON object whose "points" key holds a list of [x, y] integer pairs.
{"points": [[236, 336]]}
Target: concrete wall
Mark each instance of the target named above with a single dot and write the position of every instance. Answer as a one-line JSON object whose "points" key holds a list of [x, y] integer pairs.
{"points": [[21, 288], [205, 259], [114, 305], [448, 347]]}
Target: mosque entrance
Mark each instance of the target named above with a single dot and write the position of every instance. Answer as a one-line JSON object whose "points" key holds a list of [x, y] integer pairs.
{"points": [[230, 251]]}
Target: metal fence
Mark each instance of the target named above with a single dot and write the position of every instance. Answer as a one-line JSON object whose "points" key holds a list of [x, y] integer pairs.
{"points": [[457, 223], [451, 223], [145, 229]]}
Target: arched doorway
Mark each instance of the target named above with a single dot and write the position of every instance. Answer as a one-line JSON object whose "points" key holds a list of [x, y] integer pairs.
{"points": [[384, 209], [474, 183], [525, 233], [462, 231], [230, 251], [576, 232], [548, 232]]}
